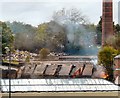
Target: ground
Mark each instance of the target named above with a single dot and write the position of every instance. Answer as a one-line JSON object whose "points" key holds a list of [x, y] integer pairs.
{"points": [[114, 94]]}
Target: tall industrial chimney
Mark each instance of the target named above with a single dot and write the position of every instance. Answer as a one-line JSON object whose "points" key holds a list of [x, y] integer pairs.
{"points": [[107, 20]]}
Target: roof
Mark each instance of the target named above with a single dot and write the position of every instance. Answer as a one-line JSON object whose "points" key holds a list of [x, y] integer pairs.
{"points": [[65, 70], [39, 70], [29, 69], [51, 69], [88, 70], [36, 71], [57, 85]]}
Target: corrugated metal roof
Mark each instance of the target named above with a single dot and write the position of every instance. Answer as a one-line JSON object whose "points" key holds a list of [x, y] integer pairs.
{"points": [[51, 69], [57, 85], [88, 70], [39, 70], [65, 70]]}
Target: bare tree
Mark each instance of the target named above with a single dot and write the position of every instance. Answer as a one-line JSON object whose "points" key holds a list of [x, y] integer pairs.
{"points": [[72, 15]]}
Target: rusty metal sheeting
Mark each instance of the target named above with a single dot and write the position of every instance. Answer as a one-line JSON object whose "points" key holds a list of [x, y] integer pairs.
{"points": [[51, 69], [28, 70], [57, 70], [76, 68], [40, 69], [65, 70], [87, 71]]}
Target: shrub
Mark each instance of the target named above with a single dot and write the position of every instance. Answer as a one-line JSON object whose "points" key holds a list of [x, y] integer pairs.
{"points": [[44, 53], [27, 58], [105, 56]]}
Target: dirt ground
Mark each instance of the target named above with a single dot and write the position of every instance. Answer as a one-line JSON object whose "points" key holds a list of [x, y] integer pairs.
{"points": [[65, 94]]}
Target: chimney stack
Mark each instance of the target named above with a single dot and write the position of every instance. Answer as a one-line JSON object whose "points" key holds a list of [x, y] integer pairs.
{"points": [[107, 20]]}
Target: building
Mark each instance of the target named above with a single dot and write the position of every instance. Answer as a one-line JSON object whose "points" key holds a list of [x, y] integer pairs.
{"points": [[117, 69], [58, 85], [107, 20]]}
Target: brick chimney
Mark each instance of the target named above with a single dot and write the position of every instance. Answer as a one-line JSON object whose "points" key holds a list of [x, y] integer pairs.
{"points": [[107, 20]]}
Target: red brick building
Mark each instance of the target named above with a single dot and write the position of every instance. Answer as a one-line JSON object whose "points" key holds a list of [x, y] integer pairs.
{"points": [[117, 69]]}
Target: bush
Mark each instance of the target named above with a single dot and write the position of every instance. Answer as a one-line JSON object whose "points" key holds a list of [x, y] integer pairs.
{"points": [[44, 53], [27, 58], [105, 56]]}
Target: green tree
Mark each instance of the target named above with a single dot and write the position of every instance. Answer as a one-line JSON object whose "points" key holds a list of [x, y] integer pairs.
{"points": [[41, 34], [7, 38], [24, 35], [52, 36], [56, 37], [117, 29], [105, 56]]}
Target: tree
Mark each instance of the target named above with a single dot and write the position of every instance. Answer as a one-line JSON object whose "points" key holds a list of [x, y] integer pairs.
{"points": [[117, 29], [44, 53], [7, 38], [114, 41], [56, 37], [105, 56], [41, 34], [52, 36], [0, 37], [69, 16], [24, 35], [80, 33], [99, 32]]}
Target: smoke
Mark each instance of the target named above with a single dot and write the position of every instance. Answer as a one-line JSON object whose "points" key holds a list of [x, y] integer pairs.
{"points": [[79, 32], [82, 37], [99, 70], [24, 41], [24, 35]]}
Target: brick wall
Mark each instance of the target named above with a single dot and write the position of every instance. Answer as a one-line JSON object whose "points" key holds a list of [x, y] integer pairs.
{"points": [[107, 20], [116, 67]]}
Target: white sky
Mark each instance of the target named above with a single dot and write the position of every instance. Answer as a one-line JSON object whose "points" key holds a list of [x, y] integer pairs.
{"points": [[35, 12]]}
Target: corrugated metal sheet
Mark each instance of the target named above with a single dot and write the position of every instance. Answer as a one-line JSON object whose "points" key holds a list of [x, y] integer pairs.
{"points": [[39, 70], [57, 85], [51, 69], [88, 70], [65, 70]]}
